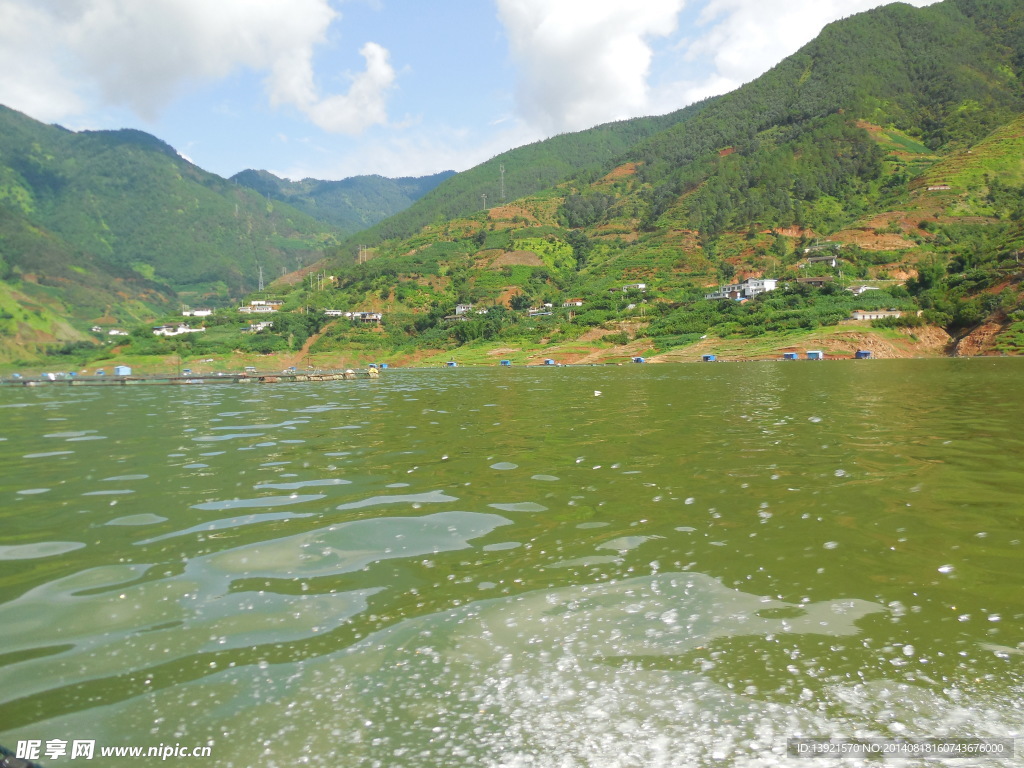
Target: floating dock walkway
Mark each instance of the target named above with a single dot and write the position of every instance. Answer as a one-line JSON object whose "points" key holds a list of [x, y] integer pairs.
{"points": [[223, 378]]}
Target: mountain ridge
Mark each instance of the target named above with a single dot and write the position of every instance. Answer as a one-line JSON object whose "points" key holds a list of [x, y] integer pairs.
{"points": [[351, 204]]}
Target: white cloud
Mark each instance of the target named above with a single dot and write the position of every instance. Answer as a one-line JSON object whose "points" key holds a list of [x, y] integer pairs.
{"points": [[59, 54], [365, 103], [31, 76], [584, 62]]}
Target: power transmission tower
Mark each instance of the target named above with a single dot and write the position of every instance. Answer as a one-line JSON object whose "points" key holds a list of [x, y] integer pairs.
{"points": [[484, 196], [261, 279], [502, 167]]}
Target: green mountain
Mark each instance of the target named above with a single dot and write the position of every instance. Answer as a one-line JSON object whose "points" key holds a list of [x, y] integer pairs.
{"points": [[836, 146], [520, 172], [351, 205], [115, 226]]}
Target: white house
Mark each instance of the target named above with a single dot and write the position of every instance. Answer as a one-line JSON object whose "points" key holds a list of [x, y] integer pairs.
{"points": [[172, 330], [196, 312], [335, 312], [461, 309], [857, 290], [874, 314], [748, 289], [573, 303]]}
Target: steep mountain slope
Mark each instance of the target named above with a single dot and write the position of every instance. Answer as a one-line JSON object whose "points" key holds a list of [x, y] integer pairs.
{"points": [[838, 142], [351, 204], [114, 227], [124, 200], [522, 171], [945, 74]]}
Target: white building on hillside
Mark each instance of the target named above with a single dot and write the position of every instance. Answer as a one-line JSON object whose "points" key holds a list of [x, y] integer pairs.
{"points": [[748, 289], [172, 330]]}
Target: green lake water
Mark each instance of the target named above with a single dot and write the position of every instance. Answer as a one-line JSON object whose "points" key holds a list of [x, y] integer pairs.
{"points": [[647, 565]]}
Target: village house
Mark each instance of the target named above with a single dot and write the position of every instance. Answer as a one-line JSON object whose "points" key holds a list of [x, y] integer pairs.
{"points": [[815, 282], [262, 305], [631, 287], [832, 261], [172, 330], [196, 312], [748, 289], [572, 303], [336, 313], [874, 314], [367, 317]]}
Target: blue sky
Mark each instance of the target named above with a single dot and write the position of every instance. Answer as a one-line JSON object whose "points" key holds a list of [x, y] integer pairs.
{"points": [[336, 88]]}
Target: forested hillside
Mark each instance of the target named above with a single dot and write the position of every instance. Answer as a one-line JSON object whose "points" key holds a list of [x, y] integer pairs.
{"points": [[115, 227], [522, 171], [889, 140]]}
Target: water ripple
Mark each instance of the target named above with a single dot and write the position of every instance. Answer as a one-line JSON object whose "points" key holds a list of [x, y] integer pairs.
{"points": [[431, 497], [263, 501], [38, 550], [302, 484]]}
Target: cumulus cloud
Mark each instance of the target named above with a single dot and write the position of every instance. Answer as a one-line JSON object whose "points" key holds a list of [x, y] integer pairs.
{"points": [[583, 62], [58, 54], [365, 103]]}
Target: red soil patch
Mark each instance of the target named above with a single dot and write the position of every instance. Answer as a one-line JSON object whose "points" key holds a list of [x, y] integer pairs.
{"points": [[870, 241], [511, 211], [622, 172], [518, 258], [979, 341]]}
